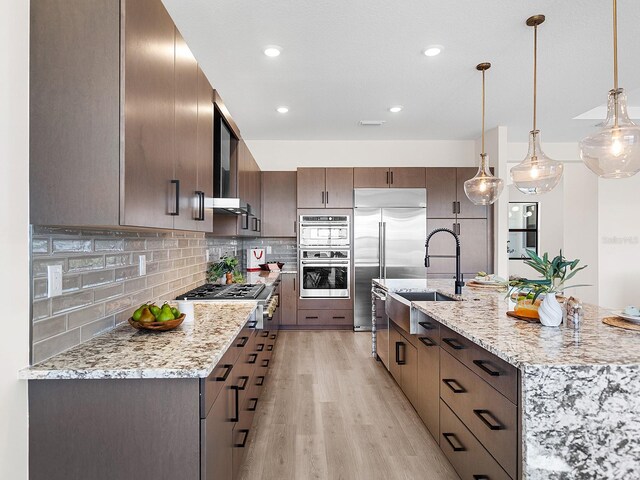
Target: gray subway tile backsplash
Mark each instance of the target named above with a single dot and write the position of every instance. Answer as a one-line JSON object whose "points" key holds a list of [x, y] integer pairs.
{"points": [[101, 280]]}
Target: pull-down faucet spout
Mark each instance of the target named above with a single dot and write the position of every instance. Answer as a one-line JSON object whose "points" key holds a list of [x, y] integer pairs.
{"points": [[459, 279]]}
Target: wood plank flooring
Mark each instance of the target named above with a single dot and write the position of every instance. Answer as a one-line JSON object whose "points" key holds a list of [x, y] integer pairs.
{"points": [[330, 411]]}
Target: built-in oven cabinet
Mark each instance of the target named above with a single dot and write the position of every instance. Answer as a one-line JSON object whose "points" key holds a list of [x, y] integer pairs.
{"points": [[289, 299], [115, 140], [325, 187]]}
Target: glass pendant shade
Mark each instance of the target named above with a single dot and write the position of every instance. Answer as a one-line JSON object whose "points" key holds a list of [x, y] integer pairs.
{"points": [[537, 173], [614, 151], [484, 188]]}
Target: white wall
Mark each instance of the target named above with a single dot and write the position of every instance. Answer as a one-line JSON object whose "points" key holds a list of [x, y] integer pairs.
{"points": [[14, 238], [288, 155], [619, 241]]}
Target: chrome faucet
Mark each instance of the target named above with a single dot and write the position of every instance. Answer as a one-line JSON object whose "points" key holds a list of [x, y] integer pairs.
{"points": [[459, 278]]}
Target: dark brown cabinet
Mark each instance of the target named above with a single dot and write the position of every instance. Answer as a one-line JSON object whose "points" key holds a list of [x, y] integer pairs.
{"points": [[121, 149], [205, 149], [403, 363], [325, 188], [279, 204], [396, 177], [446, 197], [289, 299], [429, 374], [476, 252]]}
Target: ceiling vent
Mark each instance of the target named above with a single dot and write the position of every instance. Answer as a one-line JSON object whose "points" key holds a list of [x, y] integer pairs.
{"points": [[371, 123]]}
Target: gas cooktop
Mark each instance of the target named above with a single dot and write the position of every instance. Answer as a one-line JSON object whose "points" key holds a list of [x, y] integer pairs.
{"points": [[214, 291]]}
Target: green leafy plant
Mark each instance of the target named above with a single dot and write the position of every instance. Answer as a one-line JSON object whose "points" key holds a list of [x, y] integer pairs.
{"points": [[227, 264], [555, 273]]}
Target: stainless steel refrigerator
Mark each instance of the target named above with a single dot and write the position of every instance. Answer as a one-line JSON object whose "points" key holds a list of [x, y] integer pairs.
{"points": [[390, 228]]}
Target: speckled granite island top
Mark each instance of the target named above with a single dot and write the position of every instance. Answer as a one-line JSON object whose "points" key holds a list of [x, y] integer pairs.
{"points": [[579, 388], [189, 351], [481, 317]]}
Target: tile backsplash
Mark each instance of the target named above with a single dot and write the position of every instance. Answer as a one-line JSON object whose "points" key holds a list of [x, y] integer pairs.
{"points": [[101, 282]]}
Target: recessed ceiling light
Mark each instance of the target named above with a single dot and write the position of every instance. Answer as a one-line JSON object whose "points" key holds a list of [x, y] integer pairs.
{"points": [[272, 50], [282, 109], [395, 109], [433, 50]]}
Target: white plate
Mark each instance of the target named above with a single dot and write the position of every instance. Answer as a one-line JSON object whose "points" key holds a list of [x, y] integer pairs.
{"points": [[633, 318], [488, 282]]}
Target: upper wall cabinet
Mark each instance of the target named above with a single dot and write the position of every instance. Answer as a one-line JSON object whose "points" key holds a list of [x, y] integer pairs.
{"points": [[119, 118], [446, 197], [279, 204], [397, 177], [325, 188]]}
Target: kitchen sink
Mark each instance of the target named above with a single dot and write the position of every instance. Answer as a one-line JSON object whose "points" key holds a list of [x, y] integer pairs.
{"points": [[398, 307], [425, 297]]}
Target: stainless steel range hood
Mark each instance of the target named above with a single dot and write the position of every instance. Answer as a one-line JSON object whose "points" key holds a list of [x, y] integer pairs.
{"points": [[228, 206]]}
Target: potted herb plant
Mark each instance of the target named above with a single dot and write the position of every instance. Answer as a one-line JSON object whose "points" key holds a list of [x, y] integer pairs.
{"points": [[226, 267], [555, 273]]}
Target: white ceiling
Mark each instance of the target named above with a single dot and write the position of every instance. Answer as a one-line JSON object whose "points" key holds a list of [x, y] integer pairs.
{"points": [[346, 61]]}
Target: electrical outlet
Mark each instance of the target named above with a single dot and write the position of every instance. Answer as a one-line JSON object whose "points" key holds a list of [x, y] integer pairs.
{"points": [[207, 255], [142, 262], [268, 249], [54, 280]]}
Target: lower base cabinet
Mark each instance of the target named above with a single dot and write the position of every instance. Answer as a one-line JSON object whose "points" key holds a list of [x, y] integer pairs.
{"points": [[340, 319], [403, 363], [464, 451], [189, 428]]}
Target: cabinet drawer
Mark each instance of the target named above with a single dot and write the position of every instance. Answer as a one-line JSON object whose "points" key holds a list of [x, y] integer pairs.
{"points": [[466, 454], [488, 415], [216, 432], [211, 386], [318, 318], [495, 371]]}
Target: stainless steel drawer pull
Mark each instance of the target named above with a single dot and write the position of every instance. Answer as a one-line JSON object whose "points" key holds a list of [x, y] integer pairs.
{"points": [[483, 365], [427, 325], [489, 420], [243, 341], [459, 448], [453, 343], [428, 342], [454, 385], [252, 358], [260, 347], [224, 377]]}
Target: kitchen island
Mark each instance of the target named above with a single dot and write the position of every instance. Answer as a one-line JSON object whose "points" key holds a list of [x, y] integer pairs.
{"points": [[579, 389], [148, 405]]}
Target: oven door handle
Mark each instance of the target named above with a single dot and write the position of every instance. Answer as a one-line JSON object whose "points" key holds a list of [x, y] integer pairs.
{"points": [[325, 263]]}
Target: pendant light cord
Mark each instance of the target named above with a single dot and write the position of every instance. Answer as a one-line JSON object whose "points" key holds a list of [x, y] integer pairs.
{"points": [[483, 152], [615, 45], [535, 73]]}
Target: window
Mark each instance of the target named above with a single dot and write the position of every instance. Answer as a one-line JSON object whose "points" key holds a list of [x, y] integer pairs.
{"points": [[523, 229]]}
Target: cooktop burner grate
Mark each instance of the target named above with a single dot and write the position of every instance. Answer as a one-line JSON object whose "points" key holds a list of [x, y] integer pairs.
{"points": [[211, 291]]}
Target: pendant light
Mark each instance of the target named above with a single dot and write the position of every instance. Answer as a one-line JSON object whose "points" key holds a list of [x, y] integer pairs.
{"points": [[614, 151], [484, 188], [537, 173]]}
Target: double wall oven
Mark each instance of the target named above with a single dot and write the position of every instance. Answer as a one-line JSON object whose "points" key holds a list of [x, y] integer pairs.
{"points": [[325, 256]]}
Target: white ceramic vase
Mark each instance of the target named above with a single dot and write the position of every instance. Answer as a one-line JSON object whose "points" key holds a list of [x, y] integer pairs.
{"points": [[550, 311]]}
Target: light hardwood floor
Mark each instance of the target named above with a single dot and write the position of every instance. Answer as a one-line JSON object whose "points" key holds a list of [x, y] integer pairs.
{"points": [[330, 411]]}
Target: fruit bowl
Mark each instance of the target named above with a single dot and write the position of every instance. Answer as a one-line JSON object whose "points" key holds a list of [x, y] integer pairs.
{"points": [[157, 326]]}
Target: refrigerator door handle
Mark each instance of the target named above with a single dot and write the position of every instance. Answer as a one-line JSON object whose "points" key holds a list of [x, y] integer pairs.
{"points": [[380, 250], [383, 258]]}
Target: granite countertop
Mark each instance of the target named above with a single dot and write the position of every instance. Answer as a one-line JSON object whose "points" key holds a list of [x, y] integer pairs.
{"points": [[189, 351], [481, 316]]}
